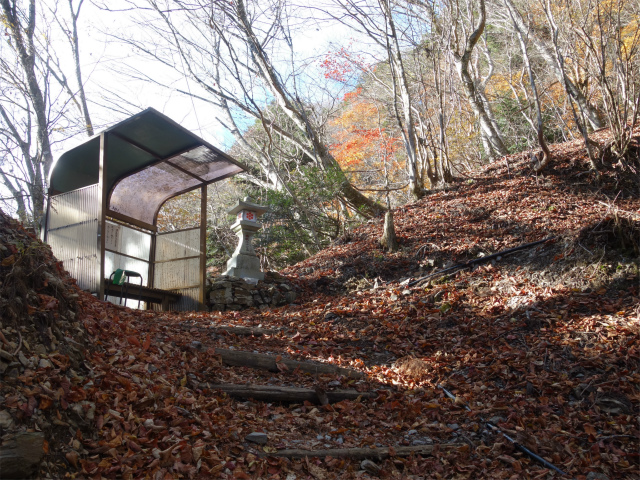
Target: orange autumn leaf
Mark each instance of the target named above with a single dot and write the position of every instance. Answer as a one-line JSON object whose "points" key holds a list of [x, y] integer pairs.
{"points": [[45, 402]]}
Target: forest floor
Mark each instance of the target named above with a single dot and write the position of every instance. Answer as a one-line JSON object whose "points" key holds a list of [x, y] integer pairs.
{"points": [[542, 344]]}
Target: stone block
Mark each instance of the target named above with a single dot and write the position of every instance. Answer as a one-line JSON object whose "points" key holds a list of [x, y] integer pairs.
{"points": [[257, 437]]}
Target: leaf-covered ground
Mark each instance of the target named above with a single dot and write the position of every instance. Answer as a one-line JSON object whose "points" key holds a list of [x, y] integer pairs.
{"points": [[542, 343]]}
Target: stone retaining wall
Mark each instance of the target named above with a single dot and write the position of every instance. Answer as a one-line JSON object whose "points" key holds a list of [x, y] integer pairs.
{"points": [[233, 293]]}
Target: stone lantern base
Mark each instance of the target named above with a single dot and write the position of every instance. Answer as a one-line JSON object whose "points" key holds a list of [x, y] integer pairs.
{"points": [[245, 263], [244, 266]]}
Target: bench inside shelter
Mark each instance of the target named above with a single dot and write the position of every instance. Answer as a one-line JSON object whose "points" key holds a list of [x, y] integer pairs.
{"points": [[148, 295], [103, 203]]}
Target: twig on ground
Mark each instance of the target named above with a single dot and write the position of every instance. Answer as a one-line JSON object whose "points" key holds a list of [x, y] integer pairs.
{"points": [[478, 261], [619, 210], [520, 447], [19, 344]]}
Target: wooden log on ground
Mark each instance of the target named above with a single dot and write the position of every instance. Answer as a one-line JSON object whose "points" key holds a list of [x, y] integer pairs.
{"points": [[245, 331], [238, 358], [362, 453], [21, 454], [270, 393]]}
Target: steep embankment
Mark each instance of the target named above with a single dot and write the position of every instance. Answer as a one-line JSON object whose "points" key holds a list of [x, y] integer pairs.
{"points": [[542, 344]]}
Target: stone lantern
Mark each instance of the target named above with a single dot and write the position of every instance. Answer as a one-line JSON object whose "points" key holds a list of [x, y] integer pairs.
{"points": [[244, 262]]}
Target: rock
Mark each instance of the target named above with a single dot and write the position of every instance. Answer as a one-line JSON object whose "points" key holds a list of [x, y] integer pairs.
{"points": [[596, 476], [44, 363], [196, 345], [257, 437], [422, 441], [40, 349], [6, 420], [453, 426], [290, 296], [278, 299], [22, 359], [6, 356], [21, 454], [370, 467], [496, 420], [244, 298]]}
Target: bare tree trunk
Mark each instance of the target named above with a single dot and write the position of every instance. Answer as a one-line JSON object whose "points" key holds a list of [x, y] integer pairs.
{"points": [[18, 197], [546, 154], [295, 111], [389, 240], [23, 43], [581, 125], [400, 82], [547, 52], [495, 143], [75, 46]]}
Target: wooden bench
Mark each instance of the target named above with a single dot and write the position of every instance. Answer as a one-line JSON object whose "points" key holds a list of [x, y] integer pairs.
{"points": [[133, 291]]}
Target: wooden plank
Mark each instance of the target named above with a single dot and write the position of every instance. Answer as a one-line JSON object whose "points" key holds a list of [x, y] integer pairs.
{"points": [[270, 393], [239, 358], [361, 453], [150, 295], [245, 331], [21, 454]]}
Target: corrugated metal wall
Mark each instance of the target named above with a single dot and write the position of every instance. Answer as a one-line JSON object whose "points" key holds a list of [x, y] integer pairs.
{"points": [[72, 232], [177, 266]]}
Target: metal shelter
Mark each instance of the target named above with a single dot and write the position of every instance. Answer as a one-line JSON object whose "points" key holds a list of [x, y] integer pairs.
{"points": [[105, 195]]}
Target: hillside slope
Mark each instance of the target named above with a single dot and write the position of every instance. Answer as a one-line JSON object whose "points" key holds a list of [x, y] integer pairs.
{"points": [[542, 343]]}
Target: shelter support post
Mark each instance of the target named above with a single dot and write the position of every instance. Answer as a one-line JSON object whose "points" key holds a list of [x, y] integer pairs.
{"points": [[102, 214], [152, 261], [203, 246]]}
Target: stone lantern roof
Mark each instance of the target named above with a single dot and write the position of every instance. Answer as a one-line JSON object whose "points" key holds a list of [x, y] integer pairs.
{"points": [[247, 204]]}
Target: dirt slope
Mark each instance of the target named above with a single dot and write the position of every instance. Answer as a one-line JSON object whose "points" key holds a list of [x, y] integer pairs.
{"points": [[542, 343]]}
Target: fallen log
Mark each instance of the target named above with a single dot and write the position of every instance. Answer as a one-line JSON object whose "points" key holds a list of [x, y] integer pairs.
{"points": [[239, 358], [361, 453], [270, 393], [246, 331]]}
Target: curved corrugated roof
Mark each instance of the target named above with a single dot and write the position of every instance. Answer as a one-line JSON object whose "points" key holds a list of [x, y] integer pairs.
{"points": [[149, 159]]}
